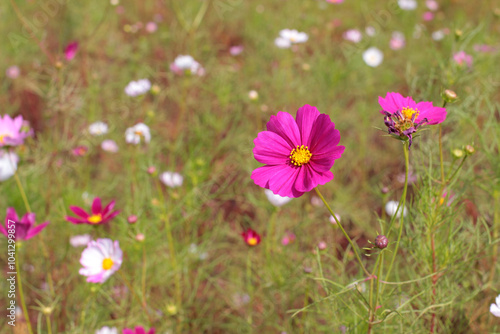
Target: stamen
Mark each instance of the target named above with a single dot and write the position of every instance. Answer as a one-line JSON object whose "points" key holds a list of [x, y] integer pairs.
{"points": [[107, 263], [95, 219], [300, 155]]}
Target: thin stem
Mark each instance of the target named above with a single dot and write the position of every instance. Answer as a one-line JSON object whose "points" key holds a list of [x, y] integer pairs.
{"points": [[23, 194], [270, 234], [129, 285], [403, 200], [21, 296], [49, 324], [434, 277], [249, 290], [441, 149], [373, 308], [354, 248], [496, 227], [143, 279]]}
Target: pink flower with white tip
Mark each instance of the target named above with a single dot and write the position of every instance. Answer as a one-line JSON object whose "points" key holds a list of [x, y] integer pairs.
{"points": [[101, 259]]}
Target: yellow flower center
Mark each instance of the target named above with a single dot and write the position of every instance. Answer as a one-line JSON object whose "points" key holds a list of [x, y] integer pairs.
{"points": [[139, 133], [300, 155], [252, 241], [95, 219], [2, 138], [107, 263], [409, 112]]}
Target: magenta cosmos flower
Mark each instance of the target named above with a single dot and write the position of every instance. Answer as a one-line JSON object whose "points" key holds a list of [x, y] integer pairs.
{"points": [[97, 216], [71, 50], [298, 154], [403, 116], [12, 132], [138, 330], [24, 229], [101, 259], [251, 237]]}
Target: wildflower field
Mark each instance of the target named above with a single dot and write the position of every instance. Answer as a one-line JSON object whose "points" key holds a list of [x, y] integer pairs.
{"points": [[230, 166]]}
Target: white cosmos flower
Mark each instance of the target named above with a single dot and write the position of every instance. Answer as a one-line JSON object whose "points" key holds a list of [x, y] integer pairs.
{"points": [[438, 35], [171, 179], [373, 57], [276, 200], [137, 133], [294, 36], [109, 145], [80, 240], [407, 4], [139, 87], [98, 128], [353, 35], [185, 64], [107, 330], [495, 308], [100, 260], [282, 43], [391, 208], [253, 95], [8, 164]]}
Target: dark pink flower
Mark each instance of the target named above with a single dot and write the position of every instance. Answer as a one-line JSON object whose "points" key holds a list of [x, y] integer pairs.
{"points": [[97, 216], [428, 16], [12, 131], [298, 154], [71, 50], [138, 330], [403, 116], [80, 151], [25, 228], [251, 237]]}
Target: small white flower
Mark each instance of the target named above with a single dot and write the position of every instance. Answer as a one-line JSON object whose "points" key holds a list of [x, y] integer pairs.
{"points": [[98, 128], [407, 4], [495, 308], [114, 2], [370, 31], [282, 43], [373, 57], [107, 330], [353, 35], [109, 145], [171, 179], [8, 164], [294, 36], [332, 219], [139, 87], [138, 132], [253, 95], [276, 200], [391, 208], [438, 35], [80, 240], [185, 64]]}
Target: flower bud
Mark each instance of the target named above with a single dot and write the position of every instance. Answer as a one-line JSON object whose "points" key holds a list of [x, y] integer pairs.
{"points": [[449, 96], [457, 153], [132, 219], [470, 149], [155, 89], [381, 241], [458, 34], [152, 170], [253, 95], [140, 237]]}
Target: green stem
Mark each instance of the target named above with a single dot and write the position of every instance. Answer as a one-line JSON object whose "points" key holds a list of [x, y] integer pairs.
{"points": [[353, 246], [441, 149], [23, 194], [403, 201], [49, 324], [249, 290], [131, 288], [21, 296], [270, 233]]}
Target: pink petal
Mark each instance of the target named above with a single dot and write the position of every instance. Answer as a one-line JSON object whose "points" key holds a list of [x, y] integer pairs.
{"points": [[35, 230], [140, 330], [434, 115], [324, 137], [282, 183], [324, 162], [284, 125], [79, 211], [270, 148], [3, 230], [111, 216], [75, 220], [306, 116], [108, 208], [96, 206]]}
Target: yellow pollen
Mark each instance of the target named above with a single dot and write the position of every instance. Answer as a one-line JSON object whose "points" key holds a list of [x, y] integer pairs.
{"points": [[300, 155], [107, 263], [2, 138], [252, 241], [441, 201], [139, 133], [409, 112], [95, 219]]}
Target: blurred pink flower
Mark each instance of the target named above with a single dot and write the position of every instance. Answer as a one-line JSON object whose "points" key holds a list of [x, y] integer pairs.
{"points": [[251, 237], [100, 260], [138, 330], [80, 151], [322, 245], [288, 238], [12, 131], [151, 27], [97, 216], [353, 35], [24, 229], [109, 145], [397, 41], [484, 48], [428, 16], [236, 50], [71, 50], [432, 5], [335, 1], [132, 219], [80, 240], [462, 58], [13, 72]]}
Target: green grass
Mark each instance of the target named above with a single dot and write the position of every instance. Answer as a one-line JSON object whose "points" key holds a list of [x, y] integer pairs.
{"points": [[203, 128]]}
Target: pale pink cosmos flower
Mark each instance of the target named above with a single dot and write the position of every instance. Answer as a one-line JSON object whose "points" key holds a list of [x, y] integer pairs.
{"points": [[428, 16], [71, 50], [335, 1], [322, 245], [107, 330], [151, 27], [12, 131], [236, 50], [398, 41], [13, 72], [484, 48], [462, 58], [353, 35], [186, 65], [432, 5], [80, 240], [171, 179], [101, 259], [109, 145], [495, 308]]}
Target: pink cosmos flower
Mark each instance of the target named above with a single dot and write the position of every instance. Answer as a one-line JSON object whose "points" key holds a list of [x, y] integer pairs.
{"points": [[13, 72], [70, 51], [236, 50], [151, 27], [12, 131], [80, 151], [97, 216], [335, 1], [288, 238], [100, 260], [298, 154], [398, 41], [428, 16], [251, 237], [462, 58], [403, 116], [25, 228], [484, 48], [138, 330]]}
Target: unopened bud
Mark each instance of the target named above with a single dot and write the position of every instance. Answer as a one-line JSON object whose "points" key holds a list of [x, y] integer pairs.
{"points": [[58, 65], [132, 219], [155, 89], [458, 34], [140, 237], [457, 153], [253, 95], [152, 170], [470, 149], [381, 241], [449, 96], [385, 190]]}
